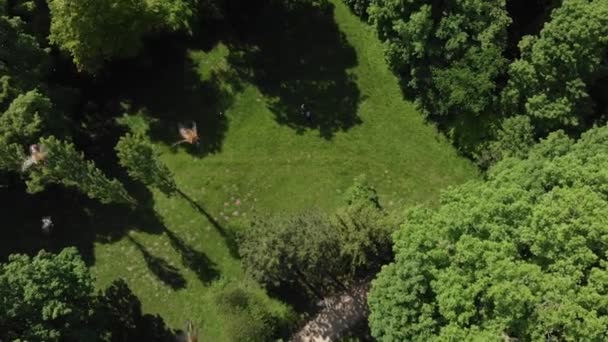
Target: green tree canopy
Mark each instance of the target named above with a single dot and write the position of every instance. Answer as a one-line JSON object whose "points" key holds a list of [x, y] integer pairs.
{"points": [[550, 81], [520, 255], [363, 228], [45, 298], [24, 119], [22, 60], [247, 315], [63, 164], [96, 31], [320, 252], [51, 297], [301, 249], [448, 52], [137, 155]]}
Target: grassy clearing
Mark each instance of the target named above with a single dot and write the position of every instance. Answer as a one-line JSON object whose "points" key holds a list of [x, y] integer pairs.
{"points": [[261, 156]]}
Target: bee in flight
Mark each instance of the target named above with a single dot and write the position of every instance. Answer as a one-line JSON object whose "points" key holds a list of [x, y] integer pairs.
{"points": [[37, 156], [189, 134]]}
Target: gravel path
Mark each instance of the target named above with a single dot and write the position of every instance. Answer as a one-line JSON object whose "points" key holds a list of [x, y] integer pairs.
{"points": [[339, 315]]}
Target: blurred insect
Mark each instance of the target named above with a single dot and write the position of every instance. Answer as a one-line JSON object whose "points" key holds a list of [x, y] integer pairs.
{"points": [[37, 156], [189, 135], [47, 224], [191, 334]]}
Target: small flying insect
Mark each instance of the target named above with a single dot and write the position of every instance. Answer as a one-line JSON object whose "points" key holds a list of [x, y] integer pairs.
{"points": [[189, 134], [36, 157]]}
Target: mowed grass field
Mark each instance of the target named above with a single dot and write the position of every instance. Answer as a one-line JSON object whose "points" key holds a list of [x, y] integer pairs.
{"points": [[259, 155]]}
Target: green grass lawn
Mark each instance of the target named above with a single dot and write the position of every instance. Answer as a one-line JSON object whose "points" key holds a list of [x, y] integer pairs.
{"points": [[262, 153]]}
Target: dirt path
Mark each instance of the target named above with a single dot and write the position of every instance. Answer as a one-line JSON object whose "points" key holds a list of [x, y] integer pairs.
{"points": [[339, 315]]}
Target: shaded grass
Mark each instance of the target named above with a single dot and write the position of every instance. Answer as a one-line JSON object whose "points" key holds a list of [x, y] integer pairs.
{"points": [[257, 157]]}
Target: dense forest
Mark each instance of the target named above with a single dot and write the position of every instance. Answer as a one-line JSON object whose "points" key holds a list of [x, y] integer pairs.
{"points": [[306, 170]]}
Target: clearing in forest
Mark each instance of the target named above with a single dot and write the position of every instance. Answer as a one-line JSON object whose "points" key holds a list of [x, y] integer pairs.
{"points": [[259, 153]]}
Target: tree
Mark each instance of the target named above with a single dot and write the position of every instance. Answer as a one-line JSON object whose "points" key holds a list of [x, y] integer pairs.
{"points": [[301, 250], [22, 60], [549, 81], [514, 138], [64, 165], [247, 315], [359, 7], [137, 155], [51, 297], [45, 298], [96, 31], [23, 121], [363, 229], [11, 156], [521, 255], [448, 52]]}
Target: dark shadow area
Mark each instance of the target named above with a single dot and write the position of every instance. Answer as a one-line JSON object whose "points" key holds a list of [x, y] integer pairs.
{"points": [[296, 54], [228, 236], [164, 83], [121, 314], [205, 269], [467, 133], [165, 272], [77, 220], [528, 18]]}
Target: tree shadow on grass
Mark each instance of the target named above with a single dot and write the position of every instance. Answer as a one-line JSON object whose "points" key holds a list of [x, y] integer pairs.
{"points": [[165, 272], [227, 235], [122, 315], [78, 220], [205, 269], [297, 55], [165, 82]]}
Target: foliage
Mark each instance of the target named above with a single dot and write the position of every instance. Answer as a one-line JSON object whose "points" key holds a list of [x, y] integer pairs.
{"points": [[448, 52], [359, 7], [45, 298], [11, 156], [318, 252], [23, 121], [96, 31], [301, 249], [51, 297], [362, 193], [362, 228], [64, 165], [173, 14], [550, 81], [521, 255], [137, 155], [22, 60], [514, 139], [246, 316]]}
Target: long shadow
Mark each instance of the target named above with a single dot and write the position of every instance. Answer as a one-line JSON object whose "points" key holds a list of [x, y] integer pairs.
{"points": [[205, 269], [227, 235], [164, 83], [296, 54], [78, 220], [165, 272], [123, 317]]}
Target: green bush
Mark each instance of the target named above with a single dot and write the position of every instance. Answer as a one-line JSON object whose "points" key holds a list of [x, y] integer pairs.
{"points": [[248, 316], [359, 7]]}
